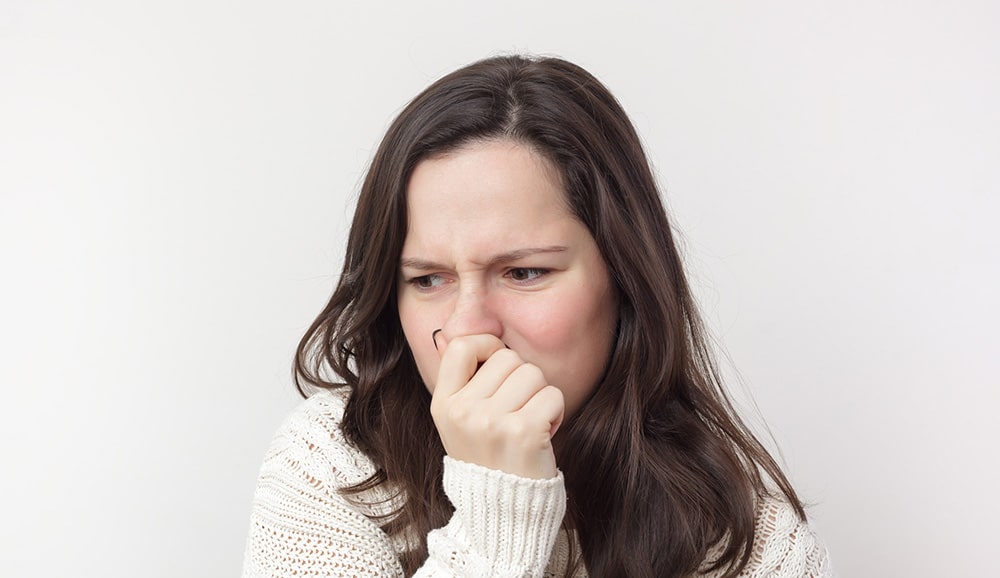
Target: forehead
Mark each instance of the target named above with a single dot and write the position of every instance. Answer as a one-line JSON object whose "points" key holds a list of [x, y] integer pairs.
{"points": [[484, 167], [490, 188]]}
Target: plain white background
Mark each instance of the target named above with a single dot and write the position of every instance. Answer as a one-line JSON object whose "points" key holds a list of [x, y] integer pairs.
{"points": [[175, 184]]}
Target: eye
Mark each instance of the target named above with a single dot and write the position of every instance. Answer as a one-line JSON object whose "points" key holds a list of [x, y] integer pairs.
{"points": [[526, 274], [427, 281]]}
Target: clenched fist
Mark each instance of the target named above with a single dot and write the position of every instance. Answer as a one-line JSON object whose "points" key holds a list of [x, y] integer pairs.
{"points": [[494, 409]]}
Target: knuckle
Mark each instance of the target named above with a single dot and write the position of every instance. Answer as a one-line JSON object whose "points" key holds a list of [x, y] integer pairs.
{"points": [[532, 372], [484, 426], [554, 393], [507, 355], [460, 346]]}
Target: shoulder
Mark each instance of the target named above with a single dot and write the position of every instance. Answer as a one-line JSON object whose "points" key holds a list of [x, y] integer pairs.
{"points": [[784, 544], [301, 523], [310, 440]]}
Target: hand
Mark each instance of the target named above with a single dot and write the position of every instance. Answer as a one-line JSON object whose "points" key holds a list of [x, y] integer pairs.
{"points": [[502, 415]]}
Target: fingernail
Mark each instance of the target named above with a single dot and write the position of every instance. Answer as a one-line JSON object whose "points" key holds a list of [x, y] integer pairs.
{"points": [[434, 338]]}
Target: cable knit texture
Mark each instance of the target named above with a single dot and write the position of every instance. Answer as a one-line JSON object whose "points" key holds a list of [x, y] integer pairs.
{"points": [[503, 526]]}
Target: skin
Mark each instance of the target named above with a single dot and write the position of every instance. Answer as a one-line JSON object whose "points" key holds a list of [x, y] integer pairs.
{"points": [[494, 258]]}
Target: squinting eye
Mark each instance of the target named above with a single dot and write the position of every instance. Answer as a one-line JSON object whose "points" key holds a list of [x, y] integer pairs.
{"points": [[522, 274], [426, 281]]}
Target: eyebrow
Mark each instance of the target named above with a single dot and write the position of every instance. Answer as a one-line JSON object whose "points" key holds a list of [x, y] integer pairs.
{"points": [[424, 265]]}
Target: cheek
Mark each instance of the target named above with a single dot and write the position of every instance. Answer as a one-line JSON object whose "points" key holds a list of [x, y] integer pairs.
{"points": [[570, 339], [552, 331], [572, 331]]}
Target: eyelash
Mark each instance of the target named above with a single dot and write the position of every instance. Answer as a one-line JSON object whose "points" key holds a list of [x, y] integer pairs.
{"points": [[418, 282], [535, 273]]}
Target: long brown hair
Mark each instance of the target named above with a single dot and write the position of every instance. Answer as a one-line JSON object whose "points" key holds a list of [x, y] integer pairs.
{"points": [[660, 470]]}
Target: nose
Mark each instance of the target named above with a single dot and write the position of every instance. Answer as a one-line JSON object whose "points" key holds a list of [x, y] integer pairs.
{"points": [[473, 314]]}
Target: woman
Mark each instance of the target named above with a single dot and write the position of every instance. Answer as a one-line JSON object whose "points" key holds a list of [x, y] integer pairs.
{"points": [[512, 377]]}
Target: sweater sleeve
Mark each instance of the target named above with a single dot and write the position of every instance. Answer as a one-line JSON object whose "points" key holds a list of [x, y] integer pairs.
{"points": [[503, 525], [301, 525]]}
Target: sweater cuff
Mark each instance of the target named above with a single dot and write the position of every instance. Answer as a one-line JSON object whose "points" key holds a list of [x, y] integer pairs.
{"points": [[510, 521]]}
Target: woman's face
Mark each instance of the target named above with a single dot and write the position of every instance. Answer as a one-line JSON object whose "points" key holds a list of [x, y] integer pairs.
{"points": [[492, 248]]}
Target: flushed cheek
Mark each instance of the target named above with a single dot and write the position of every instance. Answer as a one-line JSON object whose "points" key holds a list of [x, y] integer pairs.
{"points": [[564, 335]]}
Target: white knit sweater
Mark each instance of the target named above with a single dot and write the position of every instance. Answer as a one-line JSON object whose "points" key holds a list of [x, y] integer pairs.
{"points": [[503, 525]]}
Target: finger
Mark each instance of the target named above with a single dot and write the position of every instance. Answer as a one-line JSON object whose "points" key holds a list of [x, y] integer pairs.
{"points": [[492, 373], [522, 384], [460, 359], [547, 408]]}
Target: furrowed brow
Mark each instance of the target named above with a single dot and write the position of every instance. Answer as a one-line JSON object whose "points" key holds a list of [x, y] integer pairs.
{"points": [[418, 264], [522, 253]]}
